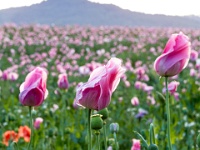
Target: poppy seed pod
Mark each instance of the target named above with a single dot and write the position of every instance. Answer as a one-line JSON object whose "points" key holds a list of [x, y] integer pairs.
{"points": [[153, 147], [96, 122]]}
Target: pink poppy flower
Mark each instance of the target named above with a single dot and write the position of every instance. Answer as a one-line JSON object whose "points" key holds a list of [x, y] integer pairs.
{"points": [[136, 145], [63, 81], [135, 101], [175, 56], [193, 72], [96, 93], [5, 75], [1, 73], [193, 55], [172, 87], [37, 122], [13, 76], [33, 90]]}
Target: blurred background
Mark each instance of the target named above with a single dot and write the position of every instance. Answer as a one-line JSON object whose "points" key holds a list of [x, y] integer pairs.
{"points": [[154, 13]]}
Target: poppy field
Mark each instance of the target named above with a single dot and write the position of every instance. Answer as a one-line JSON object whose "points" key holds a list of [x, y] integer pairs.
{"points": [[68, 56]]}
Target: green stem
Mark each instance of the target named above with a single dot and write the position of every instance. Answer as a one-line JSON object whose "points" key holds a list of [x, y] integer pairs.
{"points": [[63, 119], [98, 140], [89, 130], [31, 125], [16, 146], [104, 135], [168, 114], [68, 141], [116, 143]]}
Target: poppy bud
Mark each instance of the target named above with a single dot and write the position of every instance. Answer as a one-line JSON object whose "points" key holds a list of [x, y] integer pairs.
{"points": [[63, 81], [33, 90], [114, 127], [175, 56], [104, 113]]}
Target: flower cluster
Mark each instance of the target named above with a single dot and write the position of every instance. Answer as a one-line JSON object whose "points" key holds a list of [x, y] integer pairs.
{"points": [[10, 135]]}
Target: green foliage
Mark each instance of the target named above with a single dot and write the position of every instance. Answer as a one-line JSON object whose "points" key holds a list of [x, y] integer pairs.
{"points": [[65, 128]]}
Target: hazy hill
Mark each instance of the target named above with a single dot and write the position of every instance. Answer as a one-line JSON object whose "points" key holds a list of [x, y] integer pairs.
{"points": [[83, 12]]}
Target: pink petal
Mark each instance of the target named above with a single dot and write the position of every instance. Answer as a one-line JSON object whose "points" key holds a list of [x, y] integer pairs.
{"points": [[105, 96], [89, 97], [31, 97]]}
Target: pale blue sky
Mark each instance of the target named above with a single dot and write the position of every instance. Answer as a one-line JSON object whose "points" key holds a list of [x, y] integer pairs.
{"points": [[168, 7]]}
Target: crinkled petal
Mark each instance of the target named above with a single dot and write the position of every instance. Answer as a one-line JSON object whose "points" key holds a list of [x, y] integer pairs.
{"points": [[98, 73], [114, 73], [170, 44]]}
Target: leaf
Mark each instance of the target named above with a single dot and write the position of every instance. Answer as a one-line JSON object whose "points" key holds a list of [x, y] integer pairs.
{"points": [[141, 137]]}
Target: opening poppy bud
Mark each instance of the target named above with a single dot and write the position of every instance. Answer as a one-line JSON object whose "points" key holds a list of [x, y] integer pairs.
{"points": [[175, 56], [104, 113], [63, 81], [33, 90], [96, 122], [38, 122], [153, 147], [114, 127]]}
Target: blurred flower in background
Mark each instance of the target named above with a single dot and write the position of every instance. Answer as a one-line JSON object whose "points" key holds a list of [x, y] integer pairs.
{"points": [[63, 81], [25, 133], [37, 122], [10, 136]]}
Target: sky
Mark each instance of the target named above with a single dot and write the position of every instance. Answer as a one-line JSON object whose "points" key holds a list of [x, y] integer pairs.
{"points": [[17, 3], [167, 7]]}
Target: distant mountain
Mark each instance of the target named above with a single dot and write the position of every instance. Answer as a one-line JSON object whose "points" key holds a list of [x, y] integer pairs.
{"points": [[83, 12]]}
